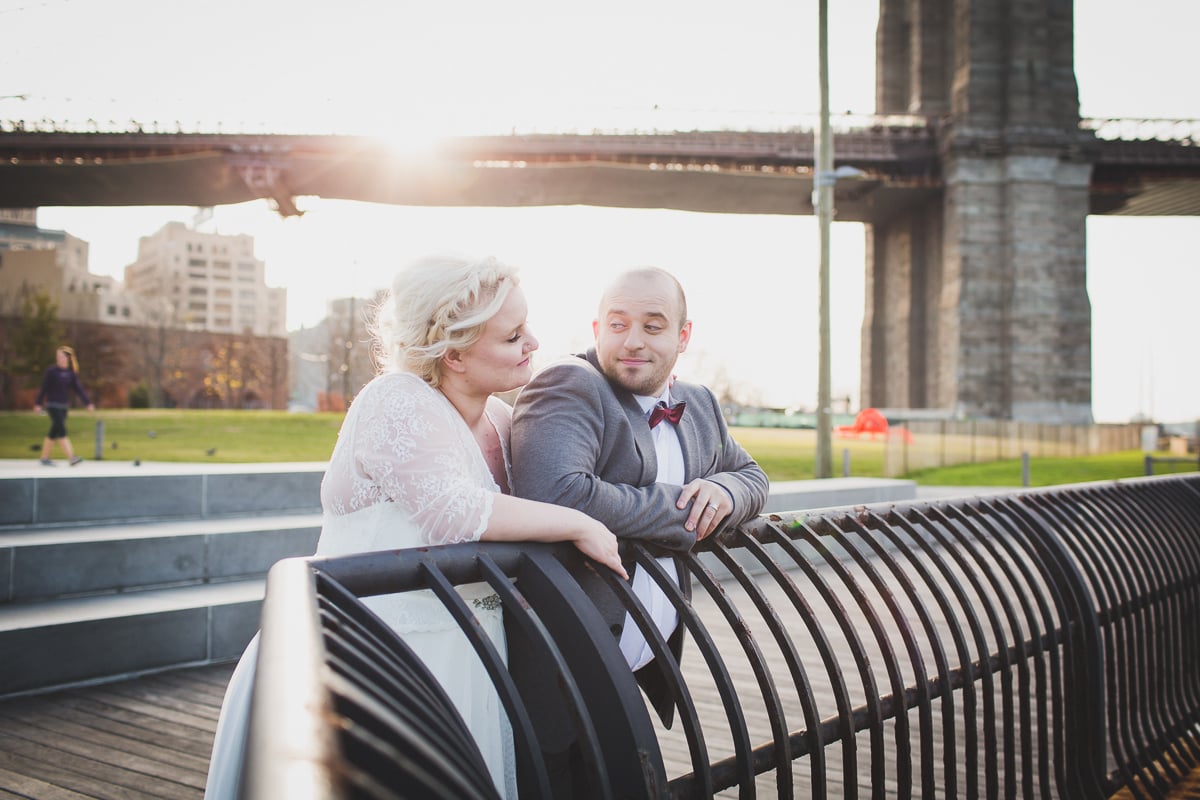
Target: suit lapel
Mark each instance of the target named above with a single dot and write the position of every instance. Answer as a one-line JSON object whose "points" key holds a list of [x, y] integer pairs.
{"points": [[643, 441], [689, 434]]}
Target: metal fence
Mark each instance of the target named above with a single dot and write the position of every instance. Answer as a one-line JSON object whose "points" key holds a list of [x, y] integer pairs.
{"points": [[922, 444], [1042, 643]]}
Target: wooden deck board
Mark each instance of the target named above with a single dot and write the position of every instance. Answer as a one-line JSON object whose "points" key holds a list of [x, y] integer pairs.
{"points": [[135, 727], [141, 753], [89, 776], [143, 739], [24, 787]]}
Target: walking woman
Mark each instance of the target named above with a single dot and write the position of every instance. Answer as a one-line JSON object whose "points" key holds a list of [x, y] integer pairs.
{"points": [[57, 385]]}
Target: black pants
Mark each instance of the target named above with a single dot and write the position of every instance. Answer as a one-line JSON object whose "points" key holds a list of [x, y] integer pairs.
{"points": [[58, 422]]}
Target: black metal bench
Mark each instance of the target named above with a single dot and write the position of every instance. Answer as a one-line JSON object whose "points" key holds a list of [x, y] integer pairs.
{"points": [[1044, 643]]}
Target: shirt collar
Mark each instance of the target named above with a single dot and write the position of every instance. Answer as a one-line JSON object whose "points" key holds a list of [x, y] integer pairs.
{"points": [[647, 403]]}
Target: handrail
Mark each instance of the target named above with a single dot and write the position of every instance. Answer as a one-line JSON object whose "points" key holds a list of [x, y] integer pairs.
{"points": [[1036, 643]]}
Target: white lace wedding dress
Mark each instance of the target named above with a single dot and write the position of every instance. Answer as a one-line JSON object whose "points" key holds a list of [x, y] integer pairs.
{"points": [[406, 472]]}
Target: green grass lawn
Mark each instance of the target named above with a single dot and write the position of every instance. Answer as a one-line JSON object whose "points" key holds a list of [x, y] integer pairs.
{"points": [[1046, 471], [172, 435], [266, 436]]}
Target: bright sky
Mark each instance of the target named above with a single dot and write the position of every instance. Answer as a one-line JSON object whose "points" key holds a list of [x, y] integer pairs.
{"points": [[415, 69]]}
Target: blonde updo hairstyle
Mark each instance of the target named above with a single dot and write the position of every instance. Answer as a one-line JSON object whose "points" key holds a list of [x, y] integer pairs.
{"points": [[438, 304]]}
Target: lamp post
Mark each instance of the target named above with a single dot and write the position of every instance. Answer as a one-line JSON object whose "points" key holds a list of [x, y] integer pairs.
{"points": [[823, 183]]}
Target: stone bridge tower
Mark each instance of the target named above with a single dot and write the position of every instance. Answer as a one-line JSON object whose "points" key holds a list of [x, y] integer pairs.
{"points": [[977, 301]]}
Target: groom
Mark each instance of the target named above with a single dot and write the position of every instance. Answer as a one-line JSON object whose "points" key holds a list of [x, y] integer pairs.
{"points": [[612, 434]]}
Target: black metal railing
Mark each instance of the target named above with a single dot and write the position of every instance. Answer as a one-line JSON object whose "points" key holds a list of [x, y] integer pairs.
{"points": [[1044, 643]]}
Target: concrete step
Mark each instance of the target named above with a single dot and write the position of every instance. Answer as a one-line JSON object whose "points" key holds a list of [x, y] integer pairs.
{"points": [[112, 569], [63, 642], [831, 492], [41, 563], [100, 493]]}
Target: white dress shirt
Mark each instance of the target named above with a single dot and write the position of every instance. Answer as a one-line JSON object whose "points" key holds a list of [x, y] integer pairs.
{"points": [[670, 470]]}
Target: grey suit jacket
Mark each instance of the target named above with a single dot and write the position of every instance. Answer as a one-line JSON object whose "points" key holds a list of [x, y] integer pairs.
{"points": [[579, 441]]}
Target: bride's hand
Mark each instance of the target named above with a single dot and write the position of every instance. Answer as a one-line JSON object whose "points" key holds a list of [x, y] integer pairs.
{"points": [[599, 544]]}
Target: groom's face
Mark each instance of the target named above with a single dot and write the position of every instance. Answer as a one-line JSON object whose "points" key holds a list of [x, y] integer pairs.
{"points": [[640, 333]]}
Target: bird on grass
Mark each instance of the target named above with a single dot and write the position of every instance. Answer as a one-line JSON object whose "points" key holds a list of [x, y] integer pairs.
{"points": [[210, 451]]}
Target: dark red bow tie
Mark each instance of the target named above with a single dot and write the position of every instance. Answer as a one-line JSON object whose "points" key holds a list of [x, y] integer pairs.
{"points": [[671, 415]]}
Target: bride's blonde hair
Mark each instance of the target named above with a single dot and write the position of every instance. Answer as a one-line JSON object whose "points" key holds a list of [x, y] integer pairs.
{"points": [[438, 304]]}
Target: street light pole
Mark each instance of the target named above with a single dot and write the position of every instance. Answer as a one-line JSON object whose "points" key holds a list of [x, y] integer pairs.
{"points": [[823, 183]]}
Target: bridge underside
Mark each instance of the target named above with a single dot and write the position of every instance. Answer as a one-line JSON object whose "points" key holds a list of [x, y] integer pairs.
{"points": [[211, 180], [717, 172]]}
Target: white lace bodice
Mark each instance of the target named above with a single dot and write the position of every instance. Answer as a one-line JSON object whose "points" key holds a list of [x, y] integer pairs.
{"points": [[403, 442]]}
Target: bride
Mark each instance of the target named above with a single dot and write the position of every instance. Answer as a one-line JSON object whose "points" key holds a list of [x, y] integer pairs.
{"points": [[422, 459]]}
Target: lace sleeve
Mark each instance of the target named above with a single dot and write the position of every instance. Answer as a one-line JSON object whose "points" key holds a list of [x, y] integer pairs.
{"points": [[409, 442]]}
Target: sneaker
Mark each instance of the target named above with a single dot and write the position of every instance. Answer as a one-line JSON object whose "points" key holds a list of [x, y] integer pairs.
{"points": [[47, 462], [75, 460]]}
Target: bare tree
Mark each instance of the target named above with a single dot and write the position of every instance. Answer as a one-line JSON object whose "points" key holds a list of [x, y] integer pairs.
{"points": [[153, 341]]}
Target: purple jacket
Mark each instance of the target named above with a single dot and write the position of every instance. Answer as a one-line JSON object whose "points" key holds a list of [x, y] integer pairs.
{"points": [[57, 384]]}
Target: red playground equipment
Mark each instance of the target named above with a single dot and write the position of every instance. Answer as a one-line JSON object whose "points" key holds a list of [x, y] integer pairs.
{"points": [[870, 422]]}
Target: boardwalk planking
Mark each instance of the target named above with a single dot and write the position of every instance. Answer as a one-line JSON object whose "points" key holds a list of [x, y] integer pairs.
{"points": [[149, 737]]}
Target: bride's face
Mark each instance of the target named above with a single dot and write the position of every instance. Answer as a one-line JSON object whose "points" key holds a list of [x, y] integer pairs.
{"points": [[502, 358]]}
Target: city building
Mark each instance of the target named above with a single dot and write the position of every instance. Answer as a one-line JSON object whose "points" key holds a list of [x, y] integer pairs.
{"points": [[202, 329], [205, 282], [330, 362], [55, 263]]}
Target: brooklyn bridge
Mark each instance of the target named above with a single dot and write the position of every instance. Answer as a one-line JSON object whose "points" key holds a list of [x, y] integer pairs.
{"points": [[974, 177], [891, 162]]}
